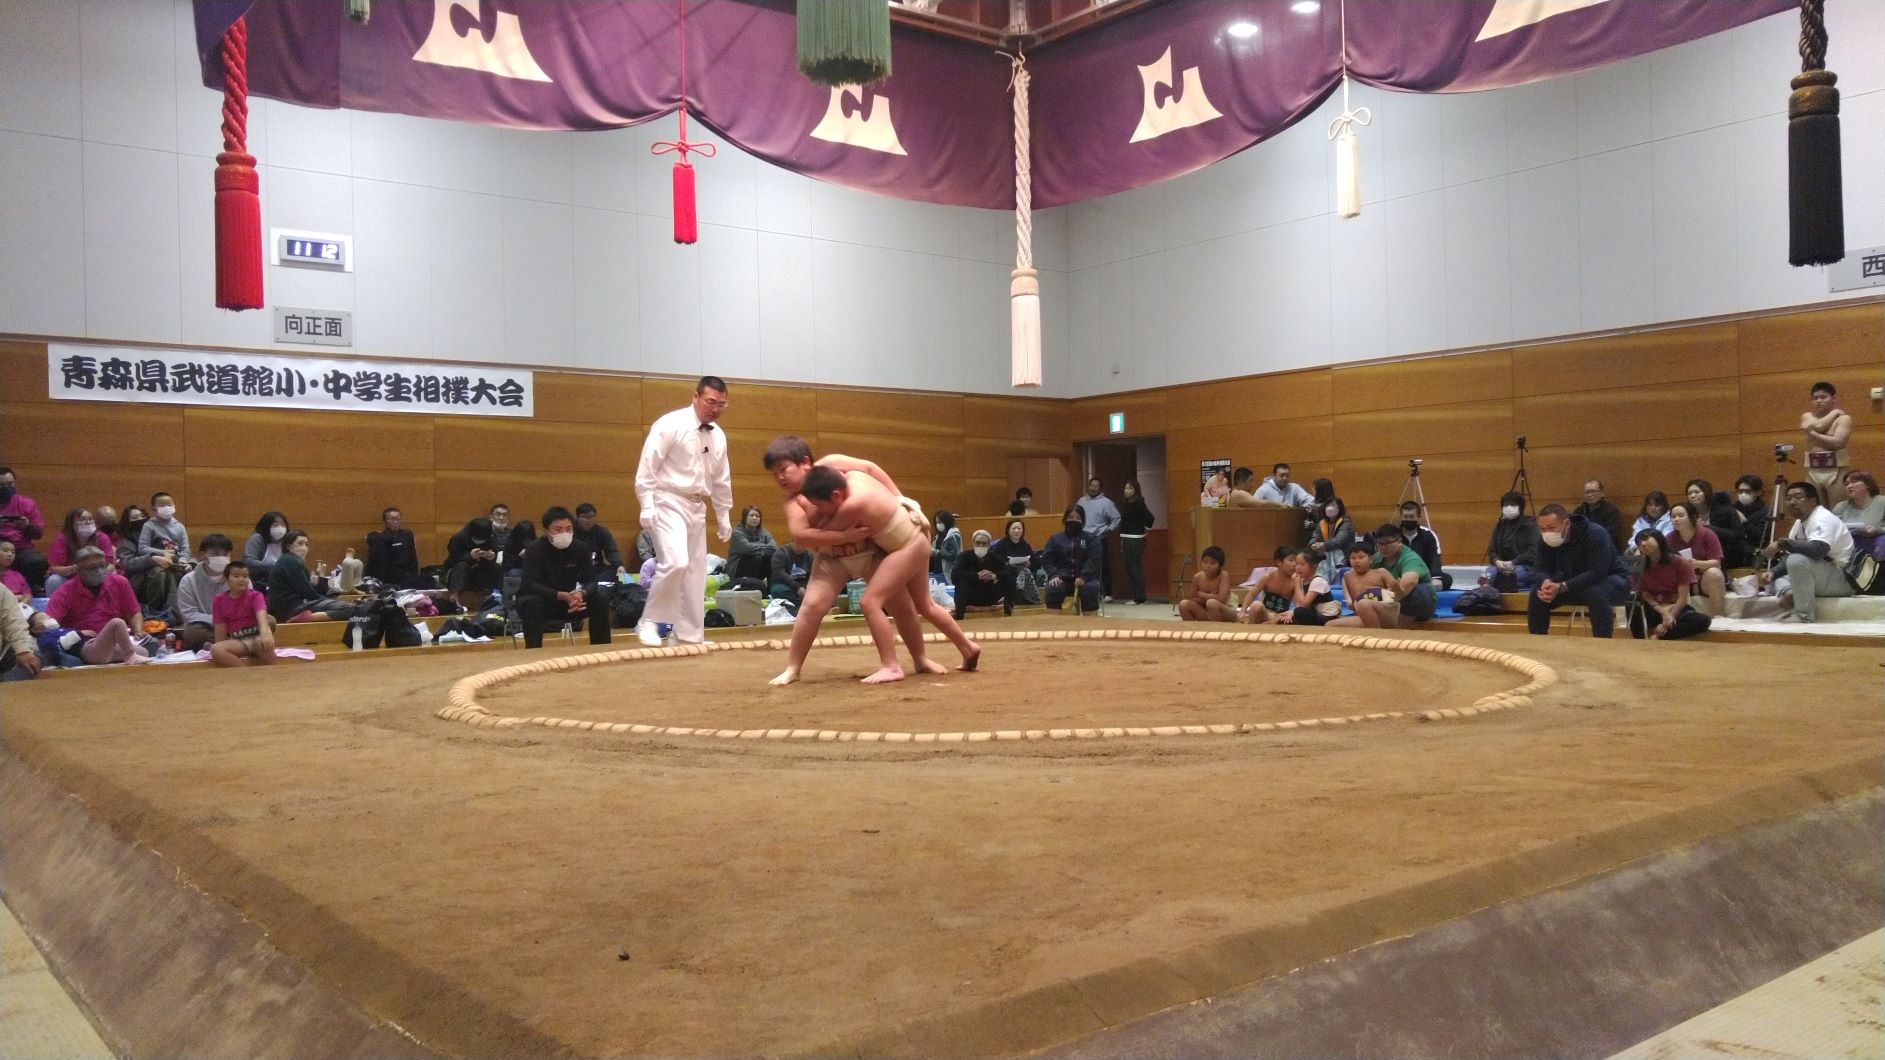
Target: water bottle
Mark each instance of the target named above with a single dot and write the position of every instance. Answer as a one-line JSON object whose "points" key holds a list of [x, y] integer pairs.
{"points": [[356, 635]]}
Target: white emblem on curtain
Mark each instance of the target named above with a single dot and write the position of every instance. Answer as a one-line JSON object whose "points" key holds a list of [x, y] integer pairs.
{"points": [[859, 119], [457, 39], [1509, 15], [1171, 105]]}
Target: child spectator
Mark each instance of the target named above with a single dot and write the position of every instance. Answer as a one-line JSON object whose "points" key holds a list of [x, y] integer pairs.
{"points": [[1370, 591], [1209, 600], [55, 643], [197, 593], [9, 577], [1315, 604], [242, 622], [79, 530], [1653, 516], [1663, 611], [1274, 594], [165, 542], [101, 606]]}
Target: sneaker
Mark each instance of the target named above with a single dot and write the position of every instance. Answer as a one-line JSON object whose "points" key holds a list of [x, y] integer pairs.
{"points": [[1106, 599], [454, 637], [649, 634]]}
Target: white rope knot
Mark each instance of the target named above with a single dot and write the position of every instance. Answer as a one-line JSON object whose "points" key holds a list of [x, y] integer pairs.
{"points": [[1350, 116]]}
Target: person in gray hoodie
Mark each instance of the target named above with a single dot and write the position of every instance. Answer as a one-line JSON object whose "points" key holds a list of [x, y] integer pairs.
{"points": [[165, 542], [196, 592]]}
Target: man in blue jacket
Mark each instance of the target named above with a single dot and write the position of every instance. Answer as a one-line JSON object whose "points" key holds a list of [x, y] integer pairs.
{"points": [[1577, 564]]}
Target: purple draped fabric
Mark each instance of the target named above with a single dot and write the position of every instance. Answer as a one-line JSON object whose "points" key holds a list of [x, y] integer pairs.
{"points": [[1148, 97]]}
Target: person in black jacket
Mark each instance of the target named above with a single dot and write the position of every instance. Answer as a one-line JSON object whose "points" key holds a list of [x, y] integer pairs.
{"points": [[1425, 543], [1577, 564], [1513, 550], [1750, 507], [1014, 550], [1134, 520], [560, 583], [1603, 513], [791, 569], [1072, 562], [392, 555], [471, 569], [983, 579], [597, 538]]}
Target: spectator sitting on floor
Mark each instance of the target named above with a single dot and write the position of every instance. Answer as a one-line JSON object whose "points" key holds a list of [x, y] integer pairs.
{"points": [[1695, 542], [1025, 498], [1274, 594], [1209, 598], [1577, 564], [947, 547], [1316, 605], [981, 578], [560, 583], [80, 530], [749, 552], [392, 552], [1330, 537], [1863, 510], [263, 548], [1512, 551], [500, 516], [56, 643], [10, 577], [791, 569], [1415, 534], [1072, 563], [1413, 582], [21, 523], [1815, 551], [197, 592], [292, 595], [1605, 514], [1278, 489], [603, 552], [511, 562], [1014, 550], [1370, 591], [19, 656], [99, 604], [1751, 505], [244, 630], [471, 563], [1696, 492], [1663, 610], [1653, 516], [165, 541]]}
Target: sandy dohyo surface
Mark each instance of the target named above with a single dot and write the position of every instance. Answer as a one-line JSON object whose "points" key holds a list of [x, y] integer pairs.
{"points": [[776, 896]]}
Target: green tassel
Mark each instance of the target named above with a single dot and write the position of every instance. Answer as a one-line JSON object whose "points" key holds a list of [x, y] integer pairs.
{"points": [[360, 10], [844, 42]]}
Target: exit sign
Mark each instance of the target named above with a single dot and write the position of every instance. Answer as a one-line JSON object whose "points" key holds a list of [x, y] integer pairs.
{"points": [[1115, 423]]}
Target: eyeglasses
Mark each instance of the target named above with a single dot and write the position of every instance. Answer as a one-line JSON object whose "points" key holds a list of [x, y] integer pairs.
{"points": [[714, 403]]}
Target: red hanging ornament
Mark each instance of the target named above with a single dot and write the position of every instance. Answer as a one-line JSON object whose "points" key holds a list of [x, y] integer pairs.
{"points": [[238, 192], [686, 230]]}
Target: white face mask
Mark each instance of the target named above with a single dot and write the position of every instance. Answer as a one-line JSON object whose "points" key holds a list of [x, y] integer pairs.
{"points": [[941, 529], [562, 540], [276, 533], [1332, 511], [980, 551], [1746, 498], [85, 528], [1510, 511], [165, 511], [216, 564], [1554, 538]]}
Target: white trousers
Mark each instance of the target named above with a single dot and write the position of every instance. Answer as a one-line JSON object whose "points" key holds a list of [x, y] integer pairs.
{"points": [[680, 589]]}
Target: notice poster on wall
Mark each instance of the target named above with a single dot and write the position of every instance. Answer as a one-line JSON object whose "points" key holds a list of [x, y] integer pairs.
{"points": [[1207, 468], [266, 381]]}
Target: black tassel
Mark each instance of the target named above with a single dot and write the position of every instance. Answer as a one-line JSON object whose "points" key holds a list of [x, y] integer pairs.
{"points": [[1815, 197]]}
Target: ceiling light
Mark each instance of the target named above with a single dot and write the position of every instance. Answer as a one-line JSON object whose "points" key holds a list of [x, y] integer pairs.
{"points": [[1242, 30], [1306, 7]]}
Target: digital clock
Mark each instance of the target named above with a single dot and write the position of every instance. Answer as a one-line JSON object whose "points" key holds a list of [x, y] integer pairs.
{"points": [[312, 250]]}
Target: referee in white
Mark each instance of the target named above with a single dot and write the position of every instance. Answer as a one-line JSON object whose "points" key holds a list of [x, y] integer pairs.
{"points": [[684, 468]]}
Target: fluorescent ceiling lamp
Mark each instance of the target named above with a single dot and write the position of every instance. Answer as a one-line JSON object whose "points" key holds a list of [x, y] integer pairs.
{"points": [[1242, 30], [1306, 7]]}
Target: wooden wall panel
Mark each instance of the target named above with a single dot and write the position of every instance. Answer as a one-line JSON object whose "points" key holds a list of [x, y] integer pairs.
{"points": [[1033, 419], [1703, 352], [1629, 470], [1482, 376], [903, 456], [988, 457], [570, 397], [1375, 485], [310, 439], [1401, 433], [1818, 339], [877, 413], [1666, 410], [57, 488], [22, 371], [239, 495], [1776, 401], [1144, 409], [464, 443], [662, 396], [1287, 395], [458, 496], [84, 432], [775, 410]]}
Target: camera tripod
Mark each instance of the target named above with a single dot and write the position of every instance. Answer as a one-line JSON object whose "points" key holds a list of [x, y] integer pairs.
{"points": [[1520, 483], [1772, 533], [1413, 492]]}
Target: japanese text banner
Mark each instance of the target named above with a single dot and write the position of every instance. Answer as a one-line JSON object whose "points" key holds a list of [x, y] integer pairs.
{"points": [[264, 381]]}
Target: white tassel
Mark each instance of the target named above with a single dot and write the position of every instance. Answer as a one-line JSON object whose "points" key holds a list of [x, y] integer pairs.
{"points": [[1347, 174], [1024, 314]]}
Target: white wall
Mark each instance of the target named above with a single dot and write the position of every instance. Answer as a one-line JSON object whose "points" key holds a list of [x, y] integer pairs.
{"points": [[1648, 191], [474, 243]]}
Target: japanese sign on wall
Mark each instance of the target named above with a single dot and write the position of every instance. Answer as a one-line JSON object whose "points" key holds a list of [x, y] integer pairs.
{"points": [[313, 327], [263, 381]]}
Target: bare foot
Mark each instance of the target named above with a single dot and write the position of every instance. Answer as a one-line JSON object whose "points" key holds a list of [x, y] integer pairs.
{"points": [[971, 657], [931, 666], [885, 676], [790, 675]]}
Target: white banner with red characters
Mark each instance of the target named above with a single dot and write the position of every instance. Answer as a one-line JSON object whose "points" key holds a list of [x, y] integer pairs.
{"points": [[266, 381]]}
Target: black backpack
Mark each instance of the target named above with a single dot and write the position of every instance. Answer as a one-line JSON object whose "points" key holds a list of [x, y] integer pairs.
{"points": [[1480, 600], [718, 618], [396, 629], [626, 603]]}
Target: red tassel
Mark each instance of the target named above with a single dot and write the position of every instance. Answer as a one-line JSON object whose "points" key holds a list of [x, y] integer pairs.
{"points": [[238, 198], [685, 230]]}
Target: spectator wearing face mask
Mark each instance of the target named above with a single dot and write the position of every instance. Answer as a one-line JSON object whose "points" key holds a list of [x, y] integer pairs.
{"points": [[947, 545], [1577, 564], [1415, 534], [263, 549], [982, 579], [99, 605], [80, 530], [1750, 507], [559, 583], [10, 577], [1072, 562], [1513, 550], [1329, 538], [21, 523], [165, 541], [196, 593]]}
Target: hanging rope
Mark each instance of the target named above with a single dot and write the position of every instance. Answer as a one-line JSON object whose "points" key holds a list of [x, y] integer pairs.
{"points": [[1347, 145], [1815, 195], [238, 192], [1024, 285], [686, 226]]}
